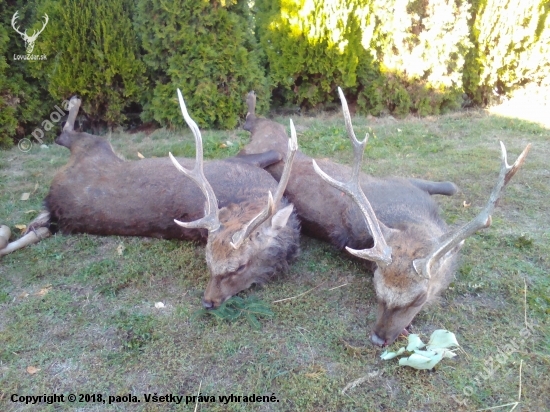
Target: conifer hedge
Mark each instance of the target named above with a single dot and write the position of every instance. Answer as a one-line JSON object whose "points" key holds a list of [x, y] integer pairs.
{"points": [[23, 100], [7, 109], [511, 41], [391, 54], [396, 56], [92, 51], [208, 50]]}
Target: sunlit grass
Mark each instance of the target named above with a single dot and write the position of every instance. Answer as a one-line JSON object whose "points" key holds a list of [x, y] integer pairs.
{"points": [[97, 330], [531, 104]]}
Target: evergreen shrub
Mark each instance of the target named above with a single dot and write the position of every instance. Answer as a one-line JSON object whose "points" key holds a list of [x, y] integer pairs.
{"points": [[208, 50], [92, 51]]}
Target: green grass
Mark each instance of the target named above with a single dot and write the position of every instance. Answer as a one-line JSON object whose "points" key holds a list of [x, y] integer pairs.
{"points": [[96, 330]]}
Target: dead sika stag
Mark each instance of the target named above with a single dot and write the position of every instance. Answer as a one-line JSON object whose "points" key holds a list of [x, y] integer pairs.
{"points": [[98, 193], [416, 262]]}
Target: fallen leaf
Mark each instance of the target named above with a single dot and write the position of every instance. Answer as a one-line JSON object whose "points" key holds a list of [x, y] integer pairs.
{"points": [[464, 204], [120, 249], [390, 355], [159, 305], [32, 370], [22, 228], [25, 196], [35, 187], [417, 361], [140, 155], [30, 211], [44, 291], [414, 342], [23, 295], [442, 338]]}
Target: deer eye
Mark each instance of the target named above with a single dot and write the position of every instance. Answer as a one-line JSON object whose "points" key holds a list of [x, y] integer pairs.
{"points": [[240, 269]]}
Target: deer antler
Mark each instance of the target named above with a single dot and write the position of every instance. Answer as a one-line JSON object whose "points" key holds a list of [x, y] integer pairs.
{"points": [[34, 33], [239, 237], [481, 221], [380, 252], [211, 220], [13, 19]]}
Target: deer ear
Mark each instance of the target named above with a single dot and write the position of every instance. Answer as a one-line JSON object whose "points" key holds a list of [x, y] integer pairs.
{"points": [[280, 219]]}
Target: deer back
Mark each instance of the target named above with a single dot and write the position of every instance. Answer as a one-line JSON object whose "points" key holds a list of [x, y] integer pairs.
{"points": [[96, 192], [328, 214]]}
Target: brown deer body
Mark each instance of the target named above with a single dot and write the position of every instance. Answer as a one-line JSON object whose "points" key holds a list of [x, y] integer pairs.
{"points": [[324, 211], [98, 193], [398, 227]]}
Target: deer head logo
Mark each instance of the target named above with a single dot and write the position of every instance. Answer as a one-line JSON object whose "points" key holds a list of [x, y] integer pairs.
{"points": [[29, 40]]}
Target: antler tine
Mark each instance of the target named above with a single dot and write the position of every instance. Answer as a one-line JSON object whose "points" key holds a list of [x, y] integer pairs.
{"points": [[45, 16], [74, 106], [210, 221], [291, 152], [481, 221], [380, 252], [239, 237], [13, 19]]}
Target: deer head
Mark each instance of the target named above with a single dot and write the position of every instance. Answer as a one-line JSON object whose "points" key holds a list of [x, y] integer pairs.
{"points": [[247, 242], [415, 261], [29, 40]]}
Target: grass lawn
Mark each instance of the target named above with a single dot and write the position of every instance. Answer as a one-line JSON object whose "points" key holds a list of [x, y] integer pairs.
{"points": [[81, 309]]}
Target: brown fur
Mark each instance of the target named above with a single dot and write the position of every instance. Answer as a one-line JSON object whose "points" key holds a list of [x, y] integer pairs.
{"points": [[98, 193], [404, 206]]}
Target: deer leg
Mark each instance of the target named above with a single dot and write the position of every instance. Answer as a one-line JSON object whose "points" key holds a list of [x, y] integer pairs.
{"points": [[261, 160], [28, 239], [42, 220], [435, 188]]}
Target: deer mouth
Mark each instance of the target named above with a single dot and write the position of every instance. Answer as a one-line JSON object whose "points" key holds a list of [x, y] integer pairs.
{"points": [[378, 341]]}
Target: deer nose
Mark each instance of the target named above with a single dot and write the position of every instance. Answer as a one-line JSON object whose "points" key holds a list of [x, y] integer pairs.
{"points": [[207, 304], [374, 338]]}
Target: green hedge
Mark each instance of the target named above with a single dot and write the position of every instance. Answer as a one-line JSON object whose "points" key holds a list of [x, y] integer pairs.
{"points": [[205, 48], [8, 123], [23, 100], [396, 56], [92, 51], [312, 47], [511, 47], [390, 54]]}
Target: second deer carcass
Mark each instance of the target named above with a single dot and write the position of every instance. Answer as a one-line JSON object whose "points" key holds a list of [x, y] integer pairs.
{"points": [[403, 212], [415, 253], [97, 192]]}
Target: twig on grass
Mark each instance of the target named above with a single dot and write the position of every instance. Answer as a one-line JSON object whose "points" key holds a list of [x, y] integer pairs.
{"points": [[336, 287], [525, 301], [361, 380], [512, 404], [301, 294], [198, 393]]}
